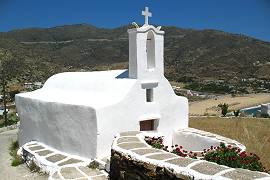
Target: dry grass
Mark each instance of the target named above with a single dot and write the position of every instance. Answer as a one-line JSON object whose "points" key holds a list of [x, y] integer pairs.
{"points": [[254, 133], [209, 106]]}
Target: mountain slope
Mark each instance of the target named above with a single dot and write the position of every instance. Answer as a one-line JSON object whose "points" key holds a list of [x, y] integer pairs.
{"points": [[190, 55]]}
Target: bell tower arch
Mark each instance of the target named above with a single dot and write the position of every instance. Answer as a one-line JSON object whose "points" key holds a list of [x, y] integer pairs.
{"points": [[150, 50], [146, 46]]}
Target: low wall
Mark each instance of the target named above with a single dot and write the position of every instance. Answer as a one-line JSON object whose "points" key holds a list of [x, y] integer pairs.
{"points": [[132, 158], [11, 127], [204, 140]]}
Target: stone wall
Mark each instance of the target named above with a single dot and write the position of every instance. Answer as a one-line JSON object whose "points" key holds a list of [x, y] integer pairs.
{"points": [[133, 159], [204, 140], [124, 167]]}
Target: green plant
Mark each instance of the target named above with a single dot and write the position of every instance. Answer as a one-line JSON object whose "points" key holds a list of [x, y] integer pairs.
{"points": [[14, 146], [234, 157], [156, 142], [236, 113], [228, 156], [16, 159], [12, 118], [224, 108]]}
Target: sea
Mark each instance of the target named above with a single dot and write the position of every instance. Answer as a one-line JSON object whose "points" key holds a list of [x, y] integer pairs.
{"points": [[253, 111]]}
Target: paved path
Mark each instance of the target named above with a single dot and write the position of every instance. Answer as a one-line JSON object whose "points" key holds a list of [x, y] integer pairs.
{"points": [[8, 172], [63, 165], [22, 172]]}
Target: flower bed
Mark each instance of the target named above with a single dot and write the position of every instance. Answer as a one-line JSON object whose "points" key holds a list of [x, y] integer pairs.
{"points": [[224, 155], [233, 157], [133, 158], [157, 142]]}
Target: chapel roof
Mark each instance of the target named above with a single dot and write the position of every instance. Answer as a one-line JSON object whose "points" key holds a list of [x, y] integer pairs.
{"points": [[95, 89]]}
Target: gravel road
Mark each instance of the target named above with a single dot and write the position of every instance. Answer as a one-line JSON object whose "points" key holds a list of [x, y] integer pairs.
{"points": [[7, 172]]}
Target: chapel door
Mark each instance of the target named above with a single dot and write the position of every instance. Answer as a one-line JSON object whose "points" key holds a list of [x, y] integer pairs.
{"points": [[147, 125]]}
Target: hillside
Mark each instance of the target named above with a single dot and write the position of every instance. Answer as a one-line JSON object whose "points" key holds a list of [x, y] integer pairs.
{"points": [[196, 57]]}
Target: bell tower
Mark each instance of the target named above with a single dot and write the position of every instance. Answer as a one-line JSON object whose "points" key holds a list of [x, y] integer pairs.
{"points": [[146, 46]]}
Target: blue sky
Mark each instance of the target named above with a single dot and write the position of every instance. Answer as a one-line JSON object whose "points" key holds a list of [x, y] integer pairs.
{"points": [[249, 17]]}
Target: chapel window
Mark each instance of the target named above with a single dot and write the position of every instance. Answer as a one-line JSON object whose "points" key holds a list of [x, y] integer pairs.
{"points": [[149, 95]]}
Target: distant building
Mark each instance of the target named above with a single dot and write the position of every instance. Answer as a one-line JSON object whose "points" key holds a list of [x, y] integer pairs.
{"points": [[33, 86], [265, 108], [28, 85]]}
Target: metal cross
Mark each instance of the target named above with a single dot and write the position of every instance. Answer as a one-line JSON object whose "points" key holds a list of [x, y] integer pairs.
{"points": [[146, 14]]}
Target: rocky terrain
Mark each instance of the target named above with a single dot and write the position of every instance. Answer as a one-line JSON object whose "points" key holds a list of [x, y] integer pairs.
{"points": [[207, 60]]}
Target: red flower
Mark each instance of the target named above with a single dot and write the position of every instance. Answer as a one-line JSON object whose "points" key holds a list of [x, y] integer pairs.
{"points": [[243, 154], [181, 147], [229, 146]]}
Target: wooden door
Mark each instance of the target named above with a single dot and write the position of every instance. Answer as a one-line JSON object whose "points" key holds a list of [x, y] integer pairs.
{"points": [[147, 125]]}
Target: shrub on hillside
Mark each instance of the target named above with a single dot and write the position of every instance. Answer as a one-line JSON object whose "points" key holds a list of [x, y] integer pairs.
{"points": [[224, 108], [236, 113]]}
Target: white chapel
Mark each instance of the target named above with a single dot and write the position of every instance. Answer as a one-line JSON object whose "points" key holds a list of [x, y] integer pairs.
{"points": [[80, 112]]}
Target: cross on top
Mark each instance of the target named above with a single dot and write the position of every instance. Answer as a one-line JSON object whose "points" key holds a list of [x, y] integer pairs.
{"points": [[146, 14]]}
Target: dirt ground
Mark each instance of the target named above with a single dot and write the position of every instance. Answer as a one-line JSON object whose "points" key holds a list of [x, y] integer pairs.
{"points": [[7, 172], [209, 106]]}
